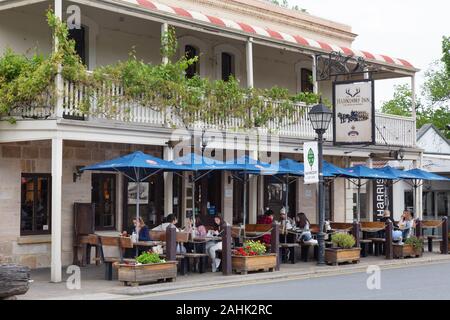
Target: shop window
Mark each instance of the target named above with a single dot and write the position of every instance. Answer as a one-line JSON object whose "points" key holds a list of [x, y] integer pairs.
{"points": [[104, 198], [35, 204], [79, 36], [191, 52]]}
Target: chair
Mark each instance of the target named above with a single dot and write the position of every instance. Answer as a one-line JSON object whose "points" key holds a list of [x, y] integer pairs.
{"points": [[112, 252]]}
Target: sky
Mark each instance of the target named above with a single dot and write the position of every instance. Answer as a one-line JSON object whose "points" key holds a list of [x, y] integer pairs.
{"points": [[408, 29]]}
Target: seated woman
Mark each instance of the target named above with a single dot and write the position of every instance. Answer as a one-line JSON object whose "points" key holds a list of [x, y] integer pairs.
{"points": [[405, 224], [267, 218], [140, 228], [143, 234], [213, 245], [200, 230], [302, 223]]}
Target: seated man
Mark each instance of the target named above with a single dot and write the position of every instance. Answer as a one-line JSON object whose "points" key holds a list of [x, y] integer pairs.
{"points": [[171, 219]]}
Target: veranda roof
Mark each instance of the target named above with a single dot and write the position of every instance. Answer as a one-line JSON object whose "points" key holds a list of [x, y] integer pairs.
{"points": [[263, 31]]}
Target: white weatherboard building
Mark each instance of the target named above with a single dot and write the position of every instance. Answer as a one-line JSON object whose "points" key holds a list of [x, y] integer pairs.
{"points": [[261, 44]]}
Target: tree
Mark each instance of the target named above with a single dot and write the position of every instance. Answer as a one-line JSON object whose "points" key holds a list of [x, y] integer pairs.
{"points": [[437, 78], [435, 91], [401, 104]]}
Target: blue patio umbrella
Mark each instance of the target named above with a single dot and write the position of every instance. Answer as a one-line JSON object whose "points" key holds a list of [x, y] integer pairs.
{"points": [[331, 170], [137, 166], [363, 172], [426, 175], [399, 174]]}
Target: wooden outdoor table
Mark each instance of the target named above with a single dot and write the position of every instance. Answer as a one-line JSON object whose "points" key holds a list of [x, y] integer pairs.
{"points": [[206, 239], [148, 243], [371, 230]]}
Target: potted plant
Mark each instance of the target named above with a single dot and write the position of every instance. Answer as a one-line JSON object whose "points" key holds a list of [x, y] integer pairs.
{"points": [[253, 257], [413, 247], [149, 267], [343, 249]]}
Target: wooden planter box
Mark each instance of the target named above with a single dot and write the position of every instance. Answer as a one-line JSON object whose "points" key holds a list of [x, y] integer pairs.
{"points": [[448, 249], [338, 255], [137, 274], [244, 264], [405, 250]]}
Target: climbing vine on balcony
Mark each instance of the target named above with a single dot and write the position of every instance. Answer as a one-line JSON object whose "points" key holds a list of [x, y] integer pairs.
{"points": [[28, 81]]}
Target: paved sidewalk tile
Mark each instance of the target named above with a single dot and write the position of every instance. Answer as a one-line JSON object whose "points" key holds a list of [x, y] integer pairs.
{"points": [[93, 285]]}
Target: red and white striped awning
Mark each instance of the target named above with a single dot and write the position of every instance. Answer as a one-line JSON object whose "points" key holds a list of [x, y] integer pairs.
{"points": [[269, 33]]}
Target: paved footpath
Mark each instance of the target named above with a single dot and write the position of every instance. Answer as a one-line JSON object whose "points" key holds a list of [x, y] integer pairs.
{"points": [[94, 287]]}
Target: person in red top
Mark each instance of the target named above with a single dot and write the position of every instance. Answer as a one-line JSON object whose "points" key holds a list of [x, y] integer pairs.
{"points": [[267, 218]]}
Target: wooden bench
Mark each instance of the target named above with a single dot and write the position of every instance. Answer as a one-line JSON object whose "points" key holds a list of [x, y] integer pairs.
{"points": [[289, 249], [115, 247], [366, 247], [378, 244], [305, 247], [433, 225]]}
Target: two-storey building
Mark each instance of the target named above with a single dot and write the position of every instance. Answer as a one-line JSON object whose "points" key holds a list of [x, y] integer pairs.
{"points": [[261, 44]]}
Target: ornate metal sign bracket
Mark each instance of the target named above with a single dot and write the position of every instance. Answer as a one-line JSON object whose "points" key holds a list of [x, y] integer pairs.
{"points": [[336, 64]]}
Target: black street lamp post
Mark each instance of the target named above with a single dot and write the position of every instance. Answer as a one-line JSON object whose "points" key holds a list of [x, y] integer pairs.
{"points": [[320, 117]]}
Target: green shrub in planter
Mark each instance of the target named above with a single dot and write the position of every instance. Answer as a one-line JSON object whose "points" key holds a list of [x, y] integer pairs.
{"points": [[149, 257], [343, 240], [415, 242]]}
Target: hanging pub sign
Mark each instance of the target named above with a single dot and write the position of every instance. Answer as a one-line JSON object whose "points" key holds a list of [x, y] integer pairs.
{"points": [[382, 198], [354, 112]]}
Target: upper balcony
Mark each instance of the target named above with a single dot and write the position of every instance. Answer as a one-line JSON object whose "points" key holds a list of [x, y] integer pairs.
{"points": [[390, 130], [277, 58]]}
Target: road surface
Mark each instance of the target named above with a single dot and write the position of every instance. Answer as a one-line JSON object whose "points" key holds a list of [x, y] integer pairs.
{"points": [[431, 281]]}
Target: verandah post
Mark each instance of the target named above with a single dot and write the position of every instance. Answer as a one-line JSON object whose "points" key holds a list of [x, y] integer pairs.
{"points": [[388, 247], [418, 228], [226, 250], [275, 243], [171, 243], [59, 81], [444, 248], [355, 232]]}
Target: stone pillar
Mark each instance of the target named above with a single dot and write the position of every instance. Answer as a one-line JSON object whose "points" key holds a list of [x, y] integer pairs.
{"points": [[56, 245], [168, 183]]}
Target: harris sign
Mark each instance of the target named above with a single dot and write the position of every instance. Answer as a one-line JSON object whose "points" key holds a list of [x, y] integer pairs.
{"points": [[353, 112]]}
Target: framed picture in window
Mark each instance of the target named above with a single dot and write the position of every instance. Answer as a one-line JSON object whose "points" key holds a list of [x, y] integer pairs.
{"points": [[133, 192]]}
